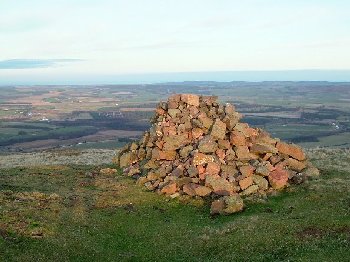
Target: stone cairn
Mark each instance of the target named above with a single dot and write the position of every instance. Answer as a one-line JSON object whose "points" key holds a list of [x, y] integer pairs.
{"points": [[198, 147]]}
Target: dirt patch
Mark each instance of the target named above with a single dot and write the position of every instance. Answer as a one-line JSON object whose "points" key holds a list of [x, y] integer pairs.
{"points": [[316, 232], [311, 232]]}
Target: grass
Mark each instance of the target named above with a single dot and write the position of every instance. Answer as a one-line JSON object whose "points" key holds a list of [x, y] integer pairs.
{"points": [[7, 113], [52, 100], [109, 218], [334, 141], [288, 131], [108, 144], [8, 138]]}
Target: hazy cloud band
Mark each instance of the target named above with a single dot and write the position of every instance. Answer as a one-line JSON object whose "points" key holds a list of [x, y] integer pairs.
{"points": [[34, 63]]}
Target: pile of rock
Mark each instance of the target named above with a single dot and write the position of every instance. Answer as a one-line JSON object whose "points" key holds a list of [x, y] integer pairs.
{"points": [[198, 147]]}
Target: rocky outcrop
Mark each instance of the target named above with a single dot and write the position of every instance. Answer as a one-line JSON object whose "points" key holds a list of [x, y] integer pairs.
{"points": [[198, 147]]}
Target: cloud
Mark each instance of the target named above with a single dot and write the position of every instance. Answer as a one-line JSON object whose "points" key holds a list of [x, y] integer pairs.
{"points": [[34, 63], [166, 44]]}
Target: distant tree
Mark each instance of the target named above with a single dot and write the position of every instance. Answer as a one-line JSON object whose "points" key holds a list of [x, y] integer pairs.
{"points": [[22, 133]]}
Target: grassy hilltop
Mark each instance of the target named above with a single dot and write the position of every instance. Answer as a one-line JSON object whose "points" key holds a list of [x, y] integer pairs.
{"points": [[78, 213]]}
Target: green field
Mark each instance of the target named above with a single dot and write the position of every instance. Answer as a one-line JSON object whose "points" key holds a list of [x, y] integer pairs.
{"points": [[288, 131], [101, 145], [341, 140], [13, 135]]}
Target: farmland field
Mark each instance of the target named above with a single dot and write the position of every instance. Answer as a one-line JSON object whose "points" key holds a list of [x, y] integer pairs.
{"points": [[311, 113]]}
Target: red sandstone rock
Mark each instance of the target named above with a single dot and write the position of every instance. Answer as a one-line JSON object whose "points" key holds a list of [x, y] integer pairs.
{"points": [[193, 111], [219, 185], [217, 206], [243, 153], [224, 144], [230, 109], [246, 130], [227, 205], [245, 182], [201, 170], [175, 142], [262, 149], [163, 155], [202, 190], [278, 178], [262, 171], [218, 130], [247, 170], [294, 164], [207, 145], [261, 182], [176, 98], [127, 159], [160, 111], [233, 204], [212, 169], [237, 139], [209, 100], [169, 189], [190, 99], [250, 190], [197, 133], [220, 153], [189, 190], [200, 159], [291, 150]]}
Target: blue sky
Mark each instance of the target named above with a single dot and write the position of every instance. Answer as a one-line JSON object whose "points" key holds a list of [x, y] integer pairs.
{"points": [[49, 41]]}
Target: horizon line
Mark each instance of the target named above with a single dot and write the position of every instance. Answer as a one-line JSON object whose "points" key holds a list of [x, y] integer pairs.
{"points": [[280, 75]]}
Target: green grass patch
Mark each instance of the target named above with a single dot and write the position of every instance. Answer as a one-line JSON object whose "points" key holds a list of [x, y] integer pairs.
{"points": [[109, 218]]}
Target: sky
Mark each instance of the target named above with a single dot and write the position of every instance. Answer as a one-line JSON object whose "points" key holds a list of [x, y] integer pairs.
{"points": [[111, 41]]}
